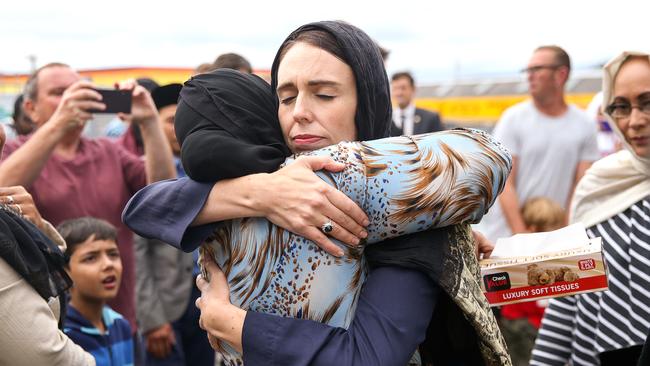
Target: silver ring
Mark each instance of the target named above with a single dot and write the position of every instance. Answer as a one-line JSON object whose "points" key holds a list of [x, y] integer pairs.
{"points": [[20, 210], [327, 227], [10, 200]]}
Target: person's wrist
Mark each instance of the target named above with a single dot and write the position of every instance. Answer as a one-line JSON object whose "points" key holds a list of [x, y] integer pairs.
{"points": [[229, 324], [147, 122], [40, 224], [55, 128], [257, 198]]}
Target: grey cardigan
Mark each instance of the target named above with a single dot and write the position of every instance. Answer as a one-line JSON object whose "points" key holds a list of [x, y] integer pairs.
{"points": [[163, 282]]}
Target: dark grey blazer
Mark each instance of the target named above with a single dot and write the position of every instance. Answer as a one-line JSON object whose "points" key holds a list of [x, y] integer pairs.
{"points": [[163, 279], [424, 122]]}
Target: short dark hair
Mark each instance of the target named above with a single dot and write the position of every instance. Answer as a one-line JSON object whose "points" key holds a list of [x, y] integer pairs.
{"points": [[232, 61], [403, 75], [561, 57], [77, 231], [30, 91]]}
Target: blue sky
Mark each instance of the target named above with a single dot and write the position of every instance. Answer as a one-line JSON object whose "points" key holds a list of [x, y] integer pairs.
{"points": [[435, 40]]}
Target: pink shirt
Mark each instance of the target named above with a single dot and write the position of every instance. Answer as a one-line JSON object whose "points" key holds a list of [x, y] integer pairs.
{"points": [[129, 142], [97, 182]]}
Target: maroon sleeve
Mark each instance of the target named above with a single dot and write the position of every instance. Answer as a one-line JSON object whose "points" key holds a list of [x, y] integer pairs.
{"points": [[133, 169], [11, 146]]}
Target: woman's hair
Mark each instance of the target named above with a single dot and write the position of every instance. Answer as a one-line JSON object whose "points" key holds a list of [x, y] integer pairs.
{"points": [[543, 214], [22, 124], [356, 49], [77, 231]]}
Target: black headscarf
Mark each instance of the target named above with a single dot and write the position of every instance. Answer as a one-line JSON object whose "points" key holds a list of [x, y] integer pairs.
{"points": [[361, 53], [32, 255], [227, 125], [166, 95]]}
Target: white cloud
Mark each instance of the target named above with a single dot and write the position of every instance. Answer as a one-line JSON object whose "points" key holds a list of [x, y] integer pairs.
{"points": [[434, 39]]}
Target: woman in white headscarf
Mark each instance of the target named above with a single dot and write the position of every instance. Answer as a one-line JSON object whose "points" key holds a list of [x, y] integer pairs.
{"points": [[613, 201]]}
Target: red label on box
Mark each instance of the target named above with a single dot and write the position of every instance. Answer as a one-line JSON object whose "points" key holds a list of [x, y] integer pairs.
{"points": [[496, 281], [556, 289], [587, 264]]}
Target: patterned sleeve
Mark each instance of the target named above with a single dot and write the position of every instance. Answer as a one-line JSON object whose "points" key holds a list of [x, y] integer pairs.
{"points": [[411, 184], [553, 343]]}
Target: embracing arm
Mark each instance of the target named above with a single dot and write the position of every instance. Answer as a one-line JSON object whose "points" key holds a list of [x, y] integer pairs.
{"points": [[165, 210], [293, 198], [394, 310], [411, 184]]}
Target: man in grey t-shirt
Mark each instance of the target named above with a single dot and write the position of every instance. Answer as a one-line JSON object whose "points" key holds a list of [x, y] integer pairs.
{"points": [[552, 144]]}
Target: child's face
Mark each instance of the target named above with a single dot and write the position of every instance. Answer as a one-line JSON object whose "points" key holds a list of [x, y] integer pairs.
{"points": [[96, 269]]}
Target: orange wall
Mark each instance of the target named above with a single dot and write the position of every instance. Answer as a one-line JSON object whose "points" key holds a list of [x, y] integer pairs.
{"points": [[13, 84]]}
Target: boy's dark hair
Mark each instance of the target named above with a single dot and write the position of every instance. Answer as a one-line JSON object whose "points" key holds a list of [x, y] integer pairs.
{"points": [[77, 231]]}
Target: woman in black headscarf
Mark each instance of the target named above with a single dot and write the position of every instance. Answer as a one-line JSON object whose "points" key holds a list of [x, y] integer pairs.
{"points": [[33, 282], [374, 107], [210, 126]]}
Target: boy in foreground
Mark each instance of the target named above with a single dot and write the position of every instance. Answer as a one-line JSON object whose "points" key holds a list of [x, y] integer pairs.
{"points": [[95, 267]]}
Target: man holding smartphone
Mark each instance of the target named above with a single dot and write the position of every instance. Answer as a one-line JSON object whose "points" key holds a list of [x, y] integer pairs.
{"points": [[70, 176]]}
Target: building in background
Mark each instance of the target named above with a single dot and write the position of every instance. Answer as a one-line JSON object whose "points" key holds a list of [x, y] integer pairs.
{"points": [[480, 102], [12, 84], [472, 102]]}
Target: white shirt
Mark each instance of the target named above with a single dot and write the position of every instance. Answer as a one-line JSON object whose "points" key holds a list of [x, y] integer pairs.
{"points": [[404, 118], [549, 150]]}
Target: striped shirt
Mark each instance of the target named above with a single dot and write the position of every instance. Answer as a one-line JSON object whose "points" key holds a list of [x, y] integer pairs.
{"points": [[576, 329], [114, 347]]}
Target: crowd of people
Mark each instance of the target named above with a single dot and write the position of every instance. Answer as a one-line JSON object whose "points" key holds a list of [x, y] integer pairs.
{"points": [[320, 218]]}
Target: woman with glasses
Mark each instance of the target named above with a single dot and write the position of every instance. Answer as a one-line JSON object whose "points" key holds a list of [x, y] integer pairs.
{"points": [[613, 201]]}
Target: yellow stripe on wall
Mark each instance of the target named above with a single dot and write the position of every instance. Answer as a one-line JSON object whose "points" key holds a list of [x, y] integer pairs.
{"points": [[485, 109]]}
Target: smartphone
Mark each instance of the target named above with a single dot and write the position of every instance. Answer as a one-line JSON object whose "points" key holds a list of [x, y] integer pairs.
{"points": [[116, 101]]}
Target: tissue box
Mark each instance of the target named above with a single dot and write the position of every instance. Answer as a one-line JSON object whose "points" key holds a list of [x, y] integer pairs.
{"points": [[508, 280]]}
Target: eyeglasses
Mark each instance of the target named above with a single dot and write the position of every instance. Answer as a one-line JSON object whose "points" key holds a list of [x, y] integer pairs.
{"points": [[620, 110], [534, 69]]}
